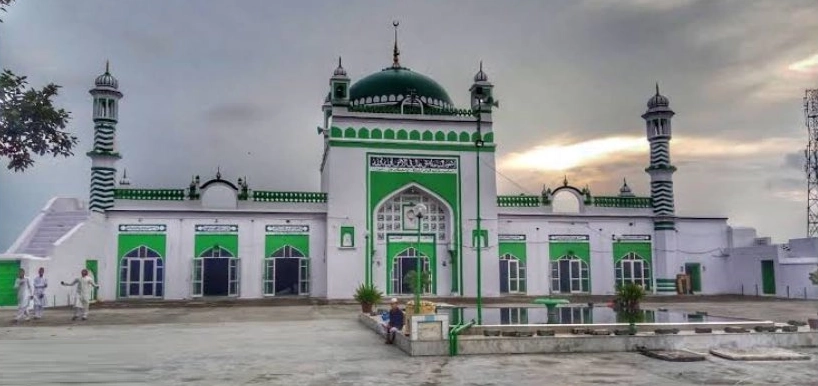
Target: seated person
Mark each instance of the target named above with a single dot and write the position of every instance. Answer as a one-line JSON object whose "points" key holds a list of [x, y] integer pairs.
{"points": [[395, 321]]}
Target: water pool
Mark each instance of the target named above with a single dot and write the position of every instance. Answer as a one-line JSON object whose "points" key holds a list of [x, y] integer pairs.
{"points": [[574, 314]]}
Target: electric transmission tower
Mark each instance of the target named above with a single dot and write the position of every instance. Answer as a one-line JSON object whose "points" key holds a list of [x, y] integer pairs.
{"points": [[811, 154]]}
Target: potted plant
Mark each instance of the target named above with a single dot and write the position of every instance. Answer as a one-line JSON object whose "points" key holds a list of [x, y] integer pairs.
{"points": [[626, 304], [411, 280], [813, 323], [367, 295]]}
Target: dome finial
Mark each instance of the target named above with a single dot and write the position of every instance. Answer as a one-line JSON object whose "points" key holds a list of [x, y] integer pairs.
{"points": [[657, 88], [395, 50], [339, 71], [107, 67], [481, 76]]}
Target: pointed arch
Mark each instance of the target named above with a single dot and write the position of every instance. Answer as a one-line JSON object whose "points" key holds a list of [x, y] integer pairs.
{"points": [[287, 251], [216, 251], [440, 213], [142, 252]]}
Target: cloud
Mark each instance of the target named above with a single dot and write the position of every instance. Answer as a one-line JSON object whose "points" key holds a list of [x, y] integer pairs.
{"points": [[235, 113], [562, 156], [808, 65]]}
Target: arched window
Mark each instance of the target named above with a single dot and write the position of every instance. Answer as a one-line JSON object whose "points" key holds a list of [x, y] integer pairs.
{"points": [[141, 274], [216, 251], [570, 274], [406, 262], [512, 274], [287, 251], [286, 272], [200, 266], [632, 268], [391, 216]]}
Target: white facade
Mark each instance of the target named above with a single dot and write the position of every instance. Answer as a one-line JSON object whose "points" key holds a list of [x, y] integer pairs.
{"points": [[386, 150]]}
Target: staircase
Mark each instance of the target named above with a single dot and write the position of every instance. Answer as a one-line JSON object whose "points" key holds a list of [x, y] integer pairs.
{"points": [[56, 220]]}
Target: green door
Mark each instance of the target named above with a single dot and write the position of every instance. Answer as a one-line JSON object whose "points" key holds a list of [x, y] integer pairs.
{"points": [[694, 270], [91, 266], [767, 277], [8, 273]]}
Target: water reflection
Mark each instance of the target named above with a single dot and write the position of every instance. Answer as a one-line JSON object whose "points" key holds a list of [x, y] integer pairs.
{"points": [[572, 314]]}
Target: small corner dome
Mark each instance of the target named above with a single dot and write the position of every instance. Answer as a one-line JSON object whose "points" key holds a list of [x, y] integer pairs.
{"points": [[481, 76], [658, 100], [396, 82], [625, 190], [106, 80]]}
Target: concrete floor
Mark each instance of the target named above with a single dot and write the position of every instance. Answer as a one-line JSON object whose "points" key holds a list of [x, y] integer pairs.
{"points": [[325, 345]]}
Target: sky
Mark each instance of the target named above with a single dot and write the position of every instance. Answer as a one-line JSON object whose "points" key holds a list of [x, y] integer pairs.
{"points": [[239, 86]]}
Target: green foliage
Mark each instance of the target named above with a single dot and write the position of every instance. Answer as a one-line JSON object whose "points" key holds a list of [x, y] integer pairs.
{"points": [[29, 122], [813, 277], [3, 5], [411, 280], [626, 304], [368, 294]]}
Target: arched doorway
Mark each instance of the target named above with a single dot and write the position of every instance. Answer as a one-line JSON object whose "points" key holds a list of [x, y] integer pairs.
{"points": [[512, 274], [400, 238], [632, 268], [286, 272], [216, 273], [570, 274], [405, 263], [141, 274]]}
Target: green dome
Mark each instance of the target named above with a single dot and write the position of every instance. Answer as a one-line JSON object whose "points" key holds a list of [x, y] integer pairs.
{"points": [[391, 85]]}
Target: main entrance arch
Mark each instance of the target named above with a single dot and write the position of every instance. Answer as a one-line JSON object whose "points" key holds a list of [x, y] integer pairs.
{"points": [[402, 238]]}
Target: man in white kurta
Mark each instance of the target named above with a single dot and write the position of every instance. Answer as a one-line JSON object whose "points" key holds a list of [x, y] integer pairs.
{"points": [[24, 294], [40, 283], [85, 291]]}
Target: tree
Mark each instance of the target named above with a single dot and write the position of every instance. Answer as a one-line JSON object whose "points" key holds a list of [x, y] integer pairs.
{"points": [[3, 5], [29, 122]]}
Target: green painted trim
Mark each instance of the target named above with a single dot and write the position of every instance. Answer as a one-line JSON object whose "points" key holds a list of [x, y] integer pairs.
{"points": [[410, 110], [99, 153], [643, 250], [622, 202], [432, 146], [150, 194], [449, 136], [305, 197], [513, 248], [8, 274], [518, 201], [273, 242], [347, 230], [228, 241], [452, 199]]}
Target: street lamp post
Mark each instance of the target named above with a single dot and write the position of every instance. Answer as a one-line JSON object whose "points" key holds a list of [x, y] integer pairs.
{"points": [[419, 210], [478, 143]]}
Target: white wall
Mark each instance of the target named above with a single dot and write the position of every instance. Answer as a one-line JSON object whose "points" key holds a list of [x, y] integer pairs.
{"points": [[84, 242], [251, 238]]}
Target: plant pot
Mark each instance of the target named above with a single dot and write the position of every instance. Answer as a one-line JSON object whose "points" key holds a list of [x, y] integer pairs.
{"points": [[366, 308], [813, 324]]}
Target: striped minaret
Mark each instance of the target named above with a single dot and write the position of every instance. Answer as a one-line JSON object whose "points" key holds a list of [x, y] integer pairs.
{"points": [[104, 155], [657, 120]]}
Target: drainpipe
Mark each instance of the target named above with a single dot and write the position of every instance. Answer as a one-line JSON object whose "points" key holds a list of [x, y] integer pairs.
{"points": [[456, 330]]}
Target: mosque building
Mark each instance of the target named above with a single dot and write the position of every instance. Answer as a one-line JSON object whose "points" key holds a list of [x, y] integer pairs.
{"points": [[405, 175]]}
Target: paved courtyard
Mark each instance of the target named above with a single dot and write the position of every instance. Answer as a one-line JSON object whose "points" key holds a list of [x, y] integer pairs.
{"points": [[325, 345]]}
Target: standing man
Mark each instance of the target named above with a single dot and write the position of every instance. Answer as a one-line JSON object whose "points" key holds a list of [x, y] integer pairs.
{"points": [[85, 290], [24, 295], [395, 324], [40, 284]]}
